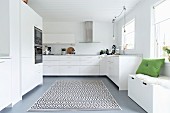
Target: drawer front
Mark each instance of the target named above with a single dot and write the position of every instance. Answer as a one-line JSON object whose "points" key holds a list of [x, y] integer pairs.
{"points": [[46, 63], [50, 57], [141, 93], [89, 70], [69, 63], [90, 62], [50, 70], [69, 70], [146, 99], [84, 58], [69, 58]]}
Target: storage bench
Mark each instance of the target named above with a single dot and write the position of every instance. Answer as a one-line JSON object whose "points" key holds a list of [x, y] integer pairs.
{"points": [[152, 94]]}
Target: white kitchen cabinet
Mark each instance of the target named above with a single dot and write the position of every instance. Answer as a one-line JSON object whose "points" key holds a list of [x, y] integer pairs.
{"points": [[89, 70], [50, 58], [50, 70], [143, 93], [58, 39], [120, 66], [31, 73], [153, 98], [69, 58], [50, 63], [89, 65], [103, 65], [70, 65], [5, 83], [38, 74], [114, 69], [29, 19], [27, 73], [68, 70]]}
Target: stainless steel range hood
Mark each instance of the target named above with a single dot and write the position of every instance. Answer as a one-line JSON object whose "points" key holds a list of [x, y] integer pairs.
{"points": [[89, 32]]}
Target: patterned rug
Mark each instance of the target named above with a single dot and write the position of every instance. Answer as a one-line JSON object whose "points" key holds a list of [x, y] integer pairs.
{"points": [[76, 95]]}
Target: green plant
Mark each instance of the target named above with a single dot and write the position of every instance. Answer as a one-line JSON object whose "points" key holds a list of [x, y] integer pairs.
{"points": [[166, 49]]}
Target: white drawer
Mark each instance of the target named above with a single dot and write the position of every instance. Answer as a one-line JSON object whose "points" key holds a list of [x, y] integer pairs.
{"points": [[69, 58], [69, 63], [50, 70], [141, 93], [90, 62], [50, 57], [84, 58], [69, 70], [89, 70], [50, 63]]}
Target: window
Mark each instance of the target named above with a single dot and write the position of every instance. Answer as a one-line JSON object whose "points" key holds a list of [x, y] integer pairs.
{"points": [[128, 34], [162, 27]]}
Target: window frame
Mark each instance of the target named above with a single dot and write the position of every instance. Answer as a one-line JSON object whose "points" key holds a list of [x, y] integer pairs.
{"points": [[156, 37], [123, 34]]}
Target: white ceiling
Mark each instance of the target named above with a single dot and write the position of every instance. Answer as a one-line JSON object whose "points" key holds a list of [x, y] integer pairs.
{"points": [[80, 10]]}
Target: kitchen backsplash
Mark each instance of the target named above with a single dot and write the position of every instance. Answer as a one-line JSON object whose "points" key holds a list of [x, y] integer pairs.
{"points": [[56, 49]]}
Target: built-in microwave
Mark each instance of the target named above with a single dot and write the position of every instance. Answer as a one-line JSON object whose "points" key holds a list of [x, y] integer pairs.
{"points": [[38, 45], [37, 36]]}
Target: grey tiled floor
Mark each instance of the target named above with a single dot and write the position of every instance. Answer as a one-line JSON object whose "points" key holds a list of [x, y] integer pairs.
{"points": [[127, 105]]}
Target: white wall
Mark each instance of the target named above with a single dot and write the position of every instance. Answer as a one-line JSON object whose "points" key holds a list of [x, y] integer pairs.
{"points": [[143, 37], [142, 14], [4, 27], [102, 33]]}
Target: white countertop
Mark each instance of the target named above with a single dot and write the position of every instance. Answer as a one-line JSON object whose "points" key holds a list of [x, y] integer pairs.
{"points": [[73, 55], [104, 55]]}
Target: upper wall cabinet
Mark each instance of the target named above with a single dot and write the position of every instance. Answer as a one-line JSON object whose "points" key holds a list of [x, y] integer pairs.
{"points": [[58, 39], [29, 19]]}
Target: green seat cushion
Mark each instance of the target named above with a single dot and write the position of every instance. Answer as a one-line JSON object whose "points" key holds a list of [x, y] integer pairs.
{"points": [[150, 67]]}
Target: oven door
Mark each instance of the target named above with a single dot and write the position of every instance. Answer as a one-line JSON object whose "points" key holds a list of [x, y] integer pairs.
{"points": [[37, 36], [38, 54]]}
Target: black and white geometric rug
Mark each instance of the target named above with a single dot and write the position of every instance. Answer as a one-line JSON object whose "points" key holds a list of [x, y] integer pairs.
{"points": [[76, 95]]}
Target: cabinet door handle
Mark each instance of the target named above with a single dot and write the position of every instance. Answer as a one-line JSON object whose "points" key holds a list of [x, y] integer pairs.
{"points": [[144, 83], [132, 77]]}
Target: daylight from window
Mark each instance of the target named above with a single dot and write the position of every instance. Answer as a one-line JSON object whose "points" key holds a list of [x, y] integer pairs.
{"points": [[128, 34], [162, 28]]}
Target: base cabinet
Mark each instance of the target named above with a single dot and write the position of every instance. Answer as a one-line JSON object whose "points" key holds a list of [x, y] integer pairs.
{"points": [[5, 83], [68, 70], [89, 70], [152, 98], [141, 92], [119, 67], [50, 70], [31, 74], [70, 65], [103, 65]]}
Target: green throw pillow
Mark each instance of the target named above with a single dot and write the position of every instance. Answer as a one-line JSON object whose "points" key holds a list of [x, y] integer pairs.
{"points": [[150, 67]]}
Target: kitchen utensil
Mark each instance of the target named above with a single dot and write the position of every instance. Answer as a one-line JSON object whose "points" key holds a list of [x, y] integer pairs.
{"points": [[63, 51]]}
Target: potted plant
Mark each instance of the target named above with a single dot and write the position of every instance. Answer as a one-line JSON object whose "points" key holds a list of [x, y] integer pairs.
{"points": [[167, 50]]}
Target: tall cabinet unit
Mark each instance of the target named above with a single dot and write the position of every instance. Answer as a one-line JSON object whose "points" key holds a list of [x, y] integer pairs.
{"points": [[31, 73], [5, 83]]}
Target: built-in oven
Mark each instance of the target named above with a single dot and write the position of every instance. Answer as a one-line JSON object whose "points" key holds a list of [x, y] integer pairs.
{"points": [[38, 54], [38, 45]]}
